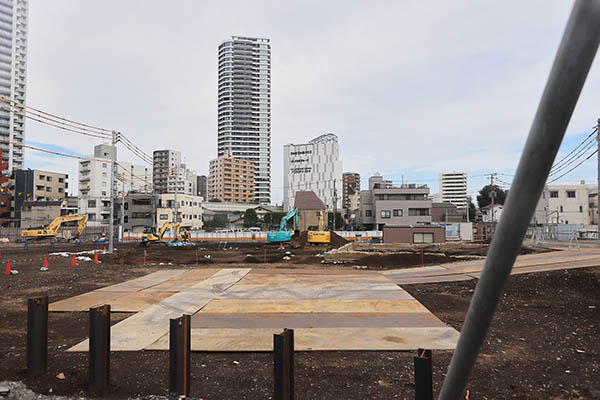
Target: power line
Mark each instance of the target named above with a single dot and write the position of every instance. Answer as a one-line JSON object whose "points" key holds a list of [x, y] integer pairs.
{"points": [[573, 159], [587, 158], [556, 164], [49, 151], [23, 106]]}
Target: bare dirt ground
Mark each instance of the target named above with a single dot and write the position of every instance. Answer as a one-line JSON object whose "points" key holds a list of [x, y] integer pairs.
{"points": [[544, 342]]}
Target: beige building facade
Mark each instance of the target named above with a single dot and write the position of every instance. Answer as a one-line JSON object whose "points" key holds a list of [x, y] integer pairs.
{"points": [[189, 210], [231, 180]]}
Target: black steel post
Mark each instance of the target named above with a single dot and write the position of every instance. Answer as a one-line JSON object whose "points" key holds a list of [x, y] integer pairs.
{"points": [[283, 365], [180, 355], [37, 335], [99, 356], [569, 71], [423, 375]]}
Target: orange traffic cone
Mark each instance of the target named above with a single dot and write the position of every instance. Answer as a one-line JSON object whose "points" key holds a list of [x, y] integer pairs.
{"points": [[7, 271], [280, 245], [104, 249], [95, 258], [74, 262], [45, 263]]}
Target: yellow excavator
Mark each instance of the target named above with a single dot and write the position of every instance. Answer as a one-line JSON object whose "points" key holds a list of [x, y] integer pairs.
{"points": [[51, 230], [320, 236], [150, 235]]}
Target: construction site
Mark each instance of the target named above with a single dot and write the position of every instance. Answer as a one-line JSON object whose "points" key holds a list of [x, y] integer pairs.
{"points": [[359, 312]]}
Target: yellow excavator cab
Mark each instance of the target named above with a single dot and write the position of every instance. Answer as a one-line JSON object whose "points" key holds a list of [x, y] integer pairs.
{"points": [[320, 236]]}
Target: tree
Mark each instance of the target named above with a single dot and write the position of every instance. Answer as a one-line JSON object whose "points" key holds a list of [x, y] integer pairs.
{"points": [[339, 220], [250, 218], [218, 221], [273, 218], [484, 199], [472, 212]]}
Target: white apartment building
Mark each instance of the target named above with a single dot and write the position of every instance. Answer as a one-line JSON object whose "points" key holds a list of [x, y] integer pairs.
{"points": [[94, 182], [563, 204], [170, 175], [244, 109], [453, 189], [314, 166], [189, 210], [13, 76]]}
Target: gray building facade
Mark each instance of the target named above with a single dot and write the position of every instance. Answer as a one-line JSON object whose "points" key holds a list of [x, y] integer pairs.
{"points": [[385, 204], [244, 106], [138, 212]]}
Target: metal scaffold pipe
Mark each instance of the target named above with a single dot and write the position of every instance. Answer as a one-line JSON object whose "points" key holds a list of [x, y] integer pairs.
{"points": [[569, 71]]}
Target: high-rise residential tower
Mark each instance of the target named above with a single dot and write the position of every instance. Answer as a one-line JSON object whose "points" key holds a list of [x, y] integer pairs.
{"points": [[453, 189], [244, 120], [13, 73]]}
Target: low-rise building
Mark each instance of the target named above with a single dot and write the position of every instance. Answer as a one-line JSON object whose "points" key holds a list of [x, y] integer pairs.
{"points": [[385, 204], [98, 210], [563, 204], [41, 212], [593, 207], [310, 209], [489, 214], [414, 234], [138, 211], [37, 185], [445, 212], [183, 208]]}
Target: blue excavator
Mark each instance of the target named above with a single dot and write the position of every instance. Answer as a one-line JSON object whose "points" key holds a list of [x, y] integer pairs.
{"points": [[283, 235]]}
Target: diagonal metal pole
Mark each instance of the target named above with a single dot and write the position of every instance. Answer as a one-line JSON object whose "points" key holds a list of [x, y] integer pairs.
{"points": [[569, 71]]}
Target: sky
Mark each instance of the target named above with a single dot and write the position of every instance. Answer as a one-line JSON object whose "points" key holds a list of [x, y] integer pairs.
{"points": [[411, 88]]}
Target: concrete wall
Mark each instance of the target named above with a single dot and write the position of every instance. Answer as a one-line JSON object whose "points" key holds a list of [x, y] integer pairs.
{"points": [[406, 234]]}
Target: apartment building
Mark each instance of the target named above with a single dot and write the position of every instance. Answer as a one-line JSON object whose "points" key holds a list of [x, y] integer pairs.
{"points": [[170, 175], [138, 211], [184, 208], [350, 187], [564, 204], [244, 106], [453, 189], [231, 179], [384, 204], [313, 166], [37, 185], [13, 79]]}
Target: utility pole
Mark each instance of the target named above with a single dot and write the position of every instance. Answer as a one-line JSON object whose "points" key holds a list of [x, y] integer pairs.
{"points": [[598, 188], [113, 166], [334, 203], [492, 196], [175, 197]]}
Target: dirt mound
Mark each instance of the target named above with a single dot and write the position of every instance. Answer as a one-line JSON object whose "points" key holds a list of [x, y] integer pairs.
{"points": [[337, 240], [404, 260]]}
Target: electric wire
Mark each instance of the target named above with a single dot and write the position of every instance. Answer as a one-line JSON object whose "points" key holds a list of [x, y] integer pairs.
{"points": [[21, 105], [587, 158], [556, 164], [49, 151], [573, 159]]}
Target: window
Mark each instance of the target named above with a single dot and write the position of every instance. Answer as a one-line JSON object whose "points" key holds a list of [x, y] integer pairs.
{"points": [[104, 165], [142, 202], [49, 179], [140, 215], [126, 206], [48, 189], [570, 194], [413, 212], [386, 214], [368, 213], [164, 216], [103, 193], [561, 208], [554, 194], [580, 208], [91, 203], [398, 213], [104, 174], [126, 218], [422, 237]]}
